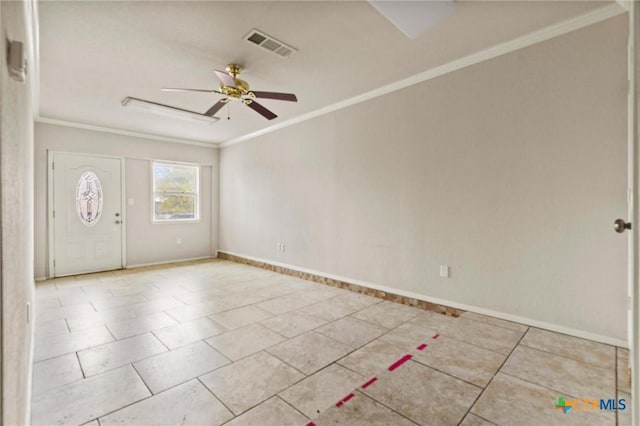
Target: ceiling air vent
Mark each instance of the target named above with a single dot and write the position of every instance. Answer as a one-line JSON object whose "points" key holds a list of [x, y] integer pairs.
{"points": [[271, 44]]}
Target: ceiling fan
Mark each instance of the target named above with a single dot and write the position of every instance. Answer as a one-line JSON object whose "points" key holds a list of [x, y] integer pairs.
{"points": [[235, 89]]}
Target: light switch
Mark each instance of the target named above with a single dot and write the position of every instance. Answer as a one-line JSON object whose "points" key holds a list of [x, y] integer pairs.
{"points": [[130, 201]]}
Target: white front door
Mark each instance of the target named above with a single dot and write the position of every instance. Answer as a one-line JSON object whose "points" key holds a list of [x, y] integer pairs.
{"points": [[86, 213]]}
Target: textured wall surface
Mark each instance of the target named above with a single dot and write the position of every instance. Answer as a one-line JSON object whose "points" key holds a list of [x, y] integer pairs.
{"points": [[16, 189], [510, 171]]}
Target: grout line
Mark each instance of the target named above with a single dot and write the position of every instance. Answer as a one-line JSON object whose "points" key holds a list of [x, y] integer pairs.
{"points": [[290, 405], [556, 391], [142, 379], [386, 406], [216, 397], [495, 374], [84, 376]]}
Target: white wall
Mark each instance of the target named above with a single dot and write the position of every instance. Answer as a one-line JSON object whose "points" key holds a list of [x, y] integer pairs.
{"points": [[146, 242], [510, 171], [16, 199]]}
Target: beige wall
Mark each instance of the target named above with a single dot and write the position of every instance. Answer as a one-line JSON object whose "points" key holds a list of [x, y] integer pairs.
{"points": [[510, 171], [145, 242], [16, 189]]}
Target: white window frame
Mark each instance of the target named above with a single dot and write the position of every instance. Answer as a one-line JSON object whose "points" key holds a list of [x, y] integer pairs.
{"points": [[196, 194]]}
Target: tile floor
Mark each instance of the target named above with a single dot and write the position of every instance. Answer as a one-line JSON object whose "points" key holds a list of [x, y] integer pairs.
{"points": [[215, 342]]}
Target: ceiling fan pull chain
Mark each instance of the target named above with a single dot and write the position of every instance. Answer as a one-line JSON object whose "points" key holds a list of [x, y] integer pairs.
{"points": [[228, 111]]}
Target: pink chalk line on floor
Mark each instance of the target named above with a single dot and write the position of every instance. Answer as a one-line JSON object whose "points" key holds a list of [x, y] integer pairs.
{"points": [[372, 380]]}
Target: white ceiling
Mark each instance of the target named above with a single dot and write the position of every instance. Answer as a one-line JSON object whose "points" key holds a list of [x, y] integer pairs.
{"points": [[93, 54]]}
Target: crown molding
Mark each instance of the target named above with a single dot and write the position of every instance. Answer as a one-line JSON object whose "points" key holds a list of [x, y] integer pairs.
{"points": [[76, 125], [546, 33]]}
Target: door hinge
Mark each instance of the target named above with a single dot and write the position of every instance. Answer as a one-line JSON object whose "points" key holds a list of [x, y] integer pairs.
{"points": [[54, 214], [54, 263], [53, 166]]}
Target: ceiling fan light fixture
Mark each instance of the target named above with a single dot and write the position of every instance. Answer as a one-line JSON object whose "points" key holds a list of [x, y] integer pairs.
{"points": [[167, 111]]}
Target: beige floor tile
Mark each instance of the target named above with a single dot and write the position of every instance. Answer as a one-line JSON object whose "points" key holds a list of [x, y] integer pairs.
{"points": [[387, 314], [118, 302], [473, 420], [495, 321], [155, 305], [624, 416], [561, 374], [53, 313], [240, 317], [352, 331], [293, 323], [341, 306], [80, 297], [116, 354], [47, 303], [361, 411], [272, 412], [424, 395], [310, 352], [586, 351], [94, 319], [195, 297], [139, 325], [433, 320], [483, 334], [322, 390], [182, 334], [55, 372], [372, 358], [248, 382], [409, 336], [179, 365], [58, 326], [286, 303], [191, 312], [88, 399], [624, 377], [187, 404], [514, 402], [60, 344], [462, 360], [241, 342]]}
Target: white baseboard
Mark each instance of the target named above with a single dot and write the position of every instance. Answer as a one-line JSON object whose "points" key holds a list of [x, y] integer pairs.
{"points": [[166, 262], [483, 311]]}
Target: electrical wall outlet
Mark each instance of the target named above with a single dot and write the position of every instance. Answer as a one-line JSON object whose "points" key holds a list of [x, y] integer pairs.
{"points": [[444, 271], [280, 247], [178, 240]]}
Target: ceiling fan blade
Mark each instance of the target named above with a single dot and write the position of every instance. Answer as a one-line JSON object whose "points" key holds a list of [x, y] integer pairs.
{"points": [[261, 110], [216, 107], [225, 78], [178, 89], [276, 95]]}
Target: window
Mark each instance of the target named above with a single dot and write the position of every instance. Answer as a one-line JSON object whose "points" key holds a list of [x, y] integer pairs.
{"points": [[175, 192], [89, 198]]}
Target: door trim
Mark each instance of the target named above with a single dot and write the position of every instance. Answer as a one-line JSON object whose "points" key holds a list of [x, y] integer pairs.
{"points": [[50, 202]]}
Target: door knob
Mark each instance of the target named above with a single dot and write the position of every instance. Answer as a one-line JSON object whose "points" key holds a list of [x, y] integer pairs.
{"points": [[620, 226], [117, 222]]}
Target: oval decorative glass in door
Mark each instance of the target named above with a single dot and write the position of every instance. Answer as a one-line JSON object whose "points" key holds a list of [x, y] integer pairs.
{"points": [[89, 198]]}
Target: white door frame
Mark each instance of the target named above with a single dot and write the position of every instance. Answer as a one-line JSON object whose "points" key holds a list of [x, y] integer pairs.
{"points": [[50, 204], [633, 136]]}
